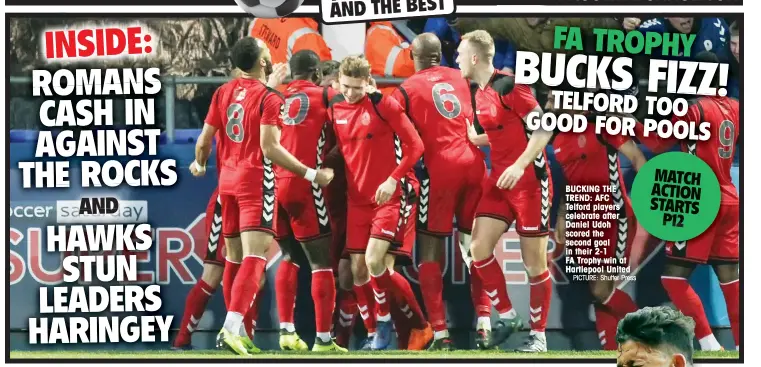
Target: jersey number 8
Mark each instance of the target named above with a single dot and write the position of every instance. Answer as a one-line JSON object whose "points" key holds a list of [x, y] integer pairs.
{"points": [[234, 127], [440, 98]]}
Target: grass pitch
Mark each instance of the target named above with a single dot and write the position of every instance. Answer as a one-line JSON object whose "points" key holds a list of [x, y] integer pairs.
{"points": [[463, 354]]}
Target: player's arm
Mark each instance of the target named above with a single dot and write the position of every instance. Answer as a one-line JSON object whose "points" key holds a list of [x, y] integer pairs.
{"points": [[479, 140], [627, 147], [412, 144], [272, 150], [537, 142], [523, 103], [203, 145], [635, 155]]}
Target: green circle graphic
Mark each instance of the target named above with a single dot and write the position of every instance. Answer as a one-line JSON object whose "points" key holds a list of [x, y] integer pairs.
{"points": [[676, 196]]}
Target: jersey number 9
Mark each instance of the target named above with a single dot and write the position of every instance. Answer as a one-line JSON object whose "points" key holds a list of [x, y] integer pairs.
{"points": [[234, 127], [726, 139], [440, 98]]}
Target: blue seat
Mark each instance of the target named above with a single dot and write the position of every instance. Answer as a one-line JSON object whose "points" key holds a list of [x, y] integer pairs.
{"points": [[186, 136], [181, 136], [23, 136]]}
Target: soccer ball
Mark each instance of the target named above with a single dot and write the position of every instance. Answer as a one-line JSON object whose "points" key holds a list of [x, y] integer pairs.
{"points": [[269, 8]]}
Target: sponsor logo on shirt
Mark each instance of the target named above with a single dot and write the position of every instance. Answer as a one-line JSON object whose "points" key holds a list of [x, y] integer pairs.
{"points": [[365, 119], [342, 122], [387, 232], [530, 228]]}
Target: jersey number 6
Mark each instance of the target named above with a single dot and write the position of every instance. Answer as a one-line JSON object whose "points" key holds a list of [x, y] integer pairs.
{"points": [[440, 98]]}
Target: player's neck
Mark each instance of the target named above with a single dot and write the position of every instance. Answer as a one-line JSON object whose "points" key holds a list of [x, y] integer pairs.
{"points": [[258, 75], [483, 76]]}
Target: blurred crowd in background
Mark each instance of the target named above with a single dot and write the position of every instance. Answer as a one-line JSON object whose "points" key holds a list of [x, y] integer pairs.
{"points": [[201, 47]]}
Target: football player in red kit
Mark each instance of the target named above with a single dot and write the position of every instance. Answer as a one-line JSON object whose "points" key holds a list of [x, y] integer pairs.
{"points": [[591, 159], [509, 194], [346, 302], [303, 211], [213, 265], [218, 263], [453, 170], [719, 245], [249, 114], [380, 147]]}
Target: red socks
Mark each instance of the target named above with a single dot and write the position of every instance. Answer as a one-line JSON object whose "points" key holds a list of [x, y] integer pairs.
{"points": [[249, 319], [286, 280], [195, 305], [539, 303], [324, 296], [493, 282], [607, 325], [246, 285], [609, 313], [382, 285], [620, 304], [346, 312], [228, 277], [366, 306], [481, 301], [686, 300], [732, 298], [402, 325], [405, 299], [432, 287]]}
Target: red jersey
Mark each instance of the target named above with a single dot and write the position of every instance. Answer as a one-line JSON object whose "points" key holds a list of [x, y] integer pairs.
{"points": [[377, 141], [238, 109], [588, 158], [305, 124], [501, 117], [723, 114], [442, 109]]}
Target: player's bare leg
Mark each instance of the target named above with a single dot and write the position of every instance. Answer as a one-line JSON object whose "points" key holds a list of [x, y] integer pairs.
{"points": [[675, 280], [323, 292], [729, 277], [534, 253], [286, 287], [432, 287], [196, 302], [363, 291], [611, 305], [233, 335], [486, 232]]}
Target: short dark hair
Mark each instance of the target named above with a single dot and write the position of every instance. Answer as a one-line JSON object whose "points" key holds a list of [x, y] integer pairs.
{"points": [[304, 63], [659, 327], [734, 29], [330, 67], [245, 53]]}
